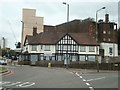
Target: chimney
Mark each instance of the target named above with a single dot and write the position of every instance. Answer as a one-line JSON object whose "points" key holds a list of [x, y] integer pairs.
{"points": [[106, 18], [34, 31]]}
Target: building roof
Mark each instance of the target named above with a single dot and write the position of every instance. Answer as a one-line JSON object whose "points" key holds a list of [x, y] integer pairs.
{"points": [[54, 37]]}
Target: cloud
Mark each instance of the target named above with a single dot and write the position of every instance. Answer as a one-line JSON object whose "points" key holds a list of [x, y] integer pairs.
{"points": [[53, 11]]}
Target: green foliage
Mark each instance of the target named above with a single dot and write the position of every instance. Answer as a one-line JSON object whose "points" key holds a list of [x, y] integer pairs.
{"points": [[8, 53]]}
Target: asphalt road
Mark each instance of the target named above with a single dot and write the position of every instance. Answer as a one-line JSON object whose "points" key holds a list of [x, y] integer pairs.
{"points": [[40, 77]]}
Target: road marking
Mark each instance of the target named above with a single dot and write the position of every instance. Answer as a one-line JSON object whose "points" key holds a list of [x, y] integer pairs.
{"points": [[17, 84], [88, 84], [77, 74], [81, 77], [13, 84], [84, 80], [27, 84], [1, 83], [96, 79], [91, 88]]}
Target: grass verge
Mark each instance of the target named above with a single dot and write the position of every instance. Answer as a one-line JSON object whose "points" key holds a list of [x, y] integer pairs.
{"points": [[2, 69]]}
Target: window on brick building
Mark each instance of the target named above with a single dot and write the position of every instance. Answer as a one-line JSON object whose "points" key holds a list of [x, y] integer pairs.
{"points": [[104, 39], [109, 32], [109, 39], [104, 32]]}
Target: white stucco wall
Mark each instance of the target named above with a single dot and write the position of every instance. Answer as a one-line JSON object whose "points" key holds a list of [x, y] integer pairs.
{"points": [[106, 47]]}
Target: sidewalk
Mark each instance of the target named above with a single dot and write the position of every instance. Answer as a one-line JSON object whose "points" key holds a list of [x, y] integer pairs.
{"points": [[84, 70], [89, 70]]}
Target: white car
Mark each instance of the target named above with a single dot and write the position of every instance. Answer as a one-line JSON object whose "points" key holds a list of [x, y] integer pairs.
{"points": [[3, 62]]}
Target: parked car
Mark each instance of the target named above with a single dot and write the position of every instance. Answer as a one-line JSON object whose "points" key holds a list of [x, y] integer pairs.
{"points": [[3, 62]]}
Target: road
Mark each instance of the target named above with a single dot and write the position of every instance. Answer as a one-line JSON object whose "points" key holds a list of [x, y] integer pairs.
{"points": [[41, 77]]}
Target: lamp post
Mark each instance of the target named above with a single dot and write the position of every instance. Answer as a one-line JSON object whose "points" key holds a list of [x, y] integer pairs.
{"points": [[22, 40], [67, 11], [97, 37], [22, 34], [67, 32]]}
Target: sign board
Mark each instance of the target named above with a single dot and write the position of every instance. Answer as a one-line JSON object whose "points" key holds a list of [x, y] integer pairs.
{"points": [[47, 54], [116, 65]]}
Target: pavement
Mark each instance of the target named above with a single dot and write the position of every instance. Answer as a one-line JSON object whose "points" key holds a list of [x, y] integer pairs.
{"points": [[84, 70]]}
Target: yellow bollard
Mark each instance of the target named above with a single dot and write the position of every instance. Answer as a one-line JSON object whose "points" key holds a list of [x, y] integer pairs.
{"points": [[49, 65]]}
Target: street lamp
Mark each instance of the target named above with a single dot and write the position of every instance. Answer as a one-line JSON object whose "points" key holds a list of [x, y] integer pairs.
{"points": [[67, 31], [22, 40], [22, 34], [97, 37], [67, 11]]}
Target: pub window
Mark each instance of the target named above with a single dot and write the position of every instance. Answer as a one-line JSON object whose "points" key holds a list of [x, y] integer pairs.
{"points": [[34, 47], [82, 48], [59, 58], [82, 57], [91, 58], [47, 47], [91, 49], [73, 58], [53, 57], [65, 47], [47, 58], [110, 50], [41, 47]]}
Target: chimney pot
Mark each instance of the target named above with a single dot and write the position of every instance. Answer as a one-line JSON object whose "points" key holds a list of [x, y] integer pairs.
{"points": [[106, 18]]}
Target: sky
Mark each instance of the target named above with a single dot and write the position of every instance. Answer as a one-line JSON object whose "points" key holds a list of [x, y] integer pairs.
{"points": [[53, 11]]}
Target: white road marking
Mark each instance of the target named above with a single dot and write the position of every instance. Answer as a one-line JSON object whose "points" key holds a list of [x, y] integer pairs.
{"points": [[96, 79], [81, 77], [4, 83], [77, 74], [84, 80], [91, 88], [26, 84], [88, 84], [18, 84], [13, 84]]}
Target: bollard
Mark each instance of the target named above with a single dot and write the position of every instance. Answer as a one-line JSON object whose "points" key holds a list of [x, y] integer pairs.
{"points": [[49, 65]]}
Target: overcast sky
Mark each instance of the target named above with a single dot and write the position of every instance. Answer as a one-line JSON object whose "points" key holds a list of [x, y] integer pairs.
{"points": [[53, 11]]}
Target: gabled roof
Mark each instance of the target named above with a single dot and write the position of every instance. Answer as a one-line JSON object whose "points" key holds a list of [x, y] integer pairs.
{"points": [[54, 37], [83, 39]]}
